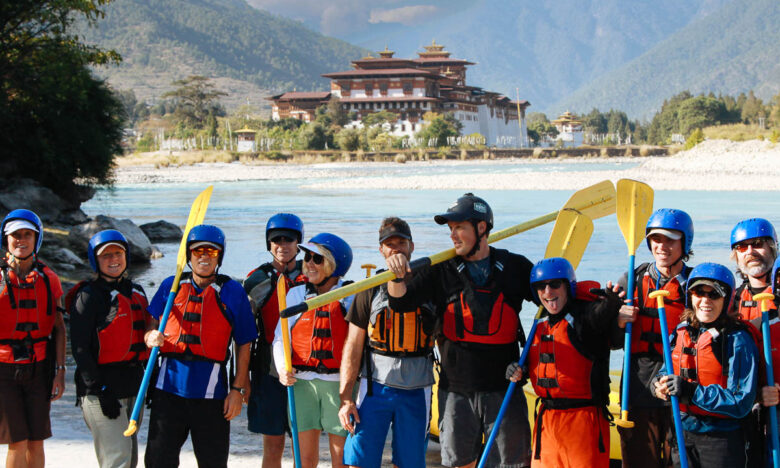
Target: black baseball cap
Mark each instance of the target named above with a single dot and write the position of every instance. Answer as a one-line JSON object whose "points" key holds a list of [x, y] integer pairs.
{"points": [[467, 207], [395, 229]]}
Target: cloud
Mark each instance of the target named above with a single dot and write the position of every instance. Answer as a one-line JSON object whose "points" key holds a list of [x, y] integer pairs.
{"points": [[408, 15]]}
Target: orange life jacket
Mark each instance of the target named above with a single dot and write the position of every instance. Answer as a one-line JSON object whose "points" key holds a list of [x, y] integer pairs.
{"points": [[480, 314], [646, 331], [27, 314], [748, 308], [318, 339], [198, 326], [702, 362], [269, 312], [121, 336], [394, 333], [556, 368]]}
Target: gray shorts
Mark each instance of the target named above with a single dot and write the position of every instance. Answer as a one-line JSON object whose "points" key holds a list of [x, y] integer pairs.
{"points": [[464, 418]]}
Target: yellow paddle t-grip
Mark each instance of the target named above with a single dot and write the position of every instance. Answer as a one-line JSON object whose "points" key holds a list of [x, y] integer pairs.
{"points": [[368, 267], [764, 299], [659, 297]]}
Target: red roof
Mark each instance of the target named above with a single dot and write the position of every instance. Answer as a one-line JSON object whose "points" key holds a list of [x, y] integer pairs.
{"points": [[301, 96], [379, 72], [442, 60]]}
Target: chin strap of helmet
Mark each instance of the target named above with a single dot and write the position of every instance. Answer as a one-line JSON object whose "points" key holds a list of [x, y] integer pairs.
{"points": [[478, 236]]}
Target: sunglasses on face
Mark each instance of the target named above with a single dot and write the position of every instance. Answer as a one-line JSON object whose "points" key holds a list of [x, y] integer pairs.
{"points": [[553, 284], [210, 251], [282, 240], [713, 295], [317, 258], [743, 246]]}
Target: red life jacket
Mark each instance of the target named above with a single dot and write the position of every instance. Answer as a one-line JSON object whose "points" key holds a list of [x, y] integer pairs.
{"points": [[748, 308], [646, 331], [121, 336], [198, 326], [556, 368], [480, 314], [702, 362], [27, 314], [318, 339], [269, 312]]}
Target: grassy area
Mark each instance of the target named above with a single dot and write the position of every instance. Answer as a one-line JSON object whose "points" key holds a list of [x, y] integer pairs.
{"points": [[175, 158], [740, 132]]}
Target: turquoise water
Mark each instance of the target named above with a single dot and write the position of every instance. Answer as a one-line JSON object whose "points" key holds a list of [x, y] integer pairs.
{"points": [[241, 209]]}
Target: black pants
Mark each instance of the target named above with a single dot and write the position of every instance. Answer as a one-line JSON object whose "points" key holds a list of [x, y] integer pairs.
{"points": [[647, 444], [713, 450], [173, 418]]}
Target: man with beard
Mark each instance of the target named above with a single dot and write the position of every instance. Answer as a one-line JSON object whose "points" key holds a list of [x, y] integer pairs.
{"points": [[754, 248]]}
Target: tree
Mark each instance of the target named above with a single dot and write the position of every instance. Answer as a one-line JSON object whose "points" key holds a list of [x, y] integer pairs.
{"points": [[195, 99], [753, 108], [539, 127], [439, 127], [379, 118], [699, 112], [594, 123], [58, 122]]}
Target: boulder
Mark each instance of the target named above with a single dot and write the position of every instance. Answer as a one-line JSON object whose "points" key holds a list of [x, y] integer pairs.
{"points": [[140, 246], [64, 256], [162, 231], [26, 193]]}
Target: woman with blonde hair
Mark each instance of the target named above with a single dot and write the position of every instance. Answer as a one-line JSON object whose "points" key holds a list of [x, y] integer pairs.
{"points": [[716, 364], [317, 341]]}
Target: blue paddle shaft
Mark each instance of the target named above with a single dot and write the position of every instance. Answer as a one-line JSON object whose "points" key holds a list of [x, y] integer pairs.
{"points": [[770, 381], [675, 401], [294, 425], [507, 398], [139, 400], [627, 342]]}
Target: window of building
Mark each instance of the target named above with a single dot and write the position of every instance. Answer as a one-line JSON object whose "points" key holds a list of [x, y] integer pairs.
{"points": [[408, 87], [369, 89], [344, 86], [371, 105], [403, 127], [383, 87]]}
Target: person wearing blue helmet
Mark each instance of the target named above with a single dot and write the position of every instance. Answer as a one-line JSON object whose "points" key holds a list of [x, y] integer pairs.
{"points": [[32, 340], [108, 319], [754, 249], [669, 237], [267, 407], [317, 341], [716, 370], [478, 296], [568, 365], [193, 394]]}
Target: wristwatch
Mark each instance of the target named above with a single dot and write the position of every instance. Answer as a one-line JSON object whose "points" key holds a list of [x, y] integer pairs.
{"points": [[240, 390]]}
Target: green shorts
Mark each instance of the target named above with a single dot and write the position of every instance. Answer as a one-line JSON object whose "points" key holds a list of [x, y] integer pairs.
{"points": [[317, 406]]}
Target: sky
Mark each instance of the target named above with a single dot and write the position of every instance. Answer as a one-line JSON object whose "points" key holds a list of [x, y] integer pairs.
{"points": [[346, 19]]}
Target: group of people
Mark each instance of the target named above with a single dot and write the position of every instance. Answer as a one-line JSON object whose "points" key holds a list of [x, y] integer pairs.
{"points": [[364, 365]]}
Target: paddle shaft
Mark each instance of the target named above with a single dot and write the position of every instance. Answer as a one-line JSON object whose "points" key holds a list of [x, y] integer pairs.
{"points": [[678, 430], [627, 342], [281, 292], [770, 378], [508, 396]]}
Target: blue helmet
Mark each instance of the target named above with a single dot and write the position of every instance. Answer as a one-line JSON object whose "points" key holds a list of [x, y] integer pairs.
{"points": [[338, 247], [553, 268], [678, 220], [285, 221], [752, 228], [207, 233], [715, 272], [102, 238], [775, 268], [23, 215]]}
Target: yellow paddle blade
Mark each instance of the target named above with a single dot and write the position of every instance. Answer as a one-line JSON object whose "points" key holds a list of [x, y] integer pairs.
{"points": [[634, 207], [197, 214], [570, 236], [595, 201], [281, 295]]}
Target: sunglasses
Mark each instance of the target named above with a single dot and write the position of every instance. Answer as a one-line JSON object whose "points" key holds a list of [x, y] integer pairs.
{"points": [[743, 246], [553, 284], [210, 251], [317, 258], [282, 240], [713, 295]]}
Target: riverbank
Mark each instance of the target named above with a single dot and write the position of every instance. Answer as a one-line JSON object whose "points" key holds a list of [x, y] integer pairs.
{"points": [[712, 165]]}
